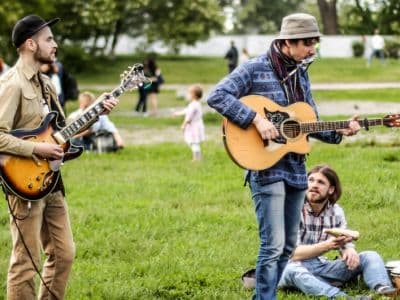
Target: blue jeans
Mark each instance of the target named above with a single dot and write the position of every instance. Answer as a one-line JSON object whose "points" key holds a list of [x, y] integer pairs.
{"points": [[313, 276], [277, 209]]}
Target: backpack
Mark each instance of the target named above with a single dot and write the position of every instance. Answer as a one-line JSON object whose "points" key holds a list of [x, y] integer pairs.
{"points": [[103, 141]]}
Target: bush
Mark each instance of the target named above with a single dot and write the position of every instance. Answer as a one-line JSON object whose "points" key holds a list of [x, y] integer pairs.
{"points": [[74, 58], [392, 48], [358, 48]]}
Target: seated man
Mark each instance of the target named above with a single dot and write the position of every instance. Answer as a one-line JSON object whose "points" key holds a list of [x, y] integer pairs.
{"points": [[311, 272], [86, 138]]}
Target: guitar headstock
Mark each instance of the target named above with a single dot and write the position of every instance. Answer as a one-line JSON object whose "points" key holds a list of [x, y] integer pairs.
{"points": [[392, 120], [133, 77]]}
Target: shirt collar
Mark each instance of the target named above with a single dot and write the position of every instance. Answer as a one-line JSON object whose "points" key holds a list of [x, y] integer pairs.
{"points": [[27, 69]]}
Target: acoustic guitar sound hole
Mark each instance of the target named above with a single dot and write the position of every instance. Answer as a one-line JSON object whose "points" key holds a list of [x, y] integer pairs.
{"points": [[291, 129]]}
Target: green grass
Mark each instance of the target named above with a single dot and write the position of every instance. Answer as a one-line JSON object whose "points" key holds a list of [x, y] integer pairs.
{"points": [[209, 70], [376, 95], [176, 69], [149, 224]]}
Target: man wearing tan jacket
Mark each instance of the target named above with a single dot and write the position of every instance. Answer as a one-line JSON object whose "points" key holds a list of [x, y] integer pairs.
{"points": [[26, 96]]}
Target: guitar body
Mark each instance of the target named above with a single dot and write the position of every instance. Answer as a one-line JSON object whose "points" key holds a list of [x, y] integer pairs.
{"points": [[246, 147], [33, 178]]}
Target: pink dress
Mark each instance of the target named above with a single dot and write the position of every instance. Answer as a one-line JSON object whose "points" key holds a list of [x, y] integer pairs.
{"points": [[194, 131]]}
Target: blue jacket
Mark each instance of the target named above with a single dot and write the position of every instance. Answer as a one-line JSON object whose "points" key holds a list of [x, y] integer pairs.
{"points": [[257, 77]]}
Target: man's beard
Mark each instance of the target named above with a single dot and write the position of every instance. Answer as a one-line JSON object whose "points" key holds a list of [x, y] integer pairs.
{"points": [[41, 58], [319, 199]]}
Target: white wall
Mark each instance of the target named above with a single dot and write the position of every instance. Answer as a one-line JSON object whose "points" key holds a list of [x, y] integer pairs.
{"points": [[331, 46]]}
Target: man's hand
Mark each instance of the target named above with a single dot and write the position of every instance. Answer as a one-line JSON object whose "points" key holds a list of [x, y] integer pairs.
{"points": [[336, 243], [266, 128], [109, 103], [351, 258], [354, 127], [47, 150]]}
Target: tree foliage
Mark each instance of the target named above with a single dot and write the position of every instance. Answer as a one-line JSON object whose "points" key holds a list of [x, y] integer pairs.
{"points": [[254, 16], [362, 17], [85, 22]]}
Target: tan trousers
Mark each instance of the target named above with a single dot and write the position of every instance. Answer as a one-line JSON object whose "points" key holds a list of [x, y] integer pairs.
{"points": [[47, 226]]}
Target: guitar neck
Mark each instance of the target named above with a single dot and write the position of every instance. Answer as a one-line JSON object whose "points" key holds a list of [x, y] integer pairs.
{"points": [[87, 117], [313, 127]]}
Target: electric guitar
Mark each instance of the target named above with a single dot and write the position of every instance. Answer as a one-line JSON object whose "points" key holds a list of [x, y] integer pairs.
{"points": [[294, 123], [32, 178]]}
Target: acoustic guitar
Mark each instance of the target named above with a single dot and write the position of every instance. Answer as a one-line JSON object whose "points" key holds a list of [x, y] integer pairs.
{"points": [[294, 123], [32, 178]]}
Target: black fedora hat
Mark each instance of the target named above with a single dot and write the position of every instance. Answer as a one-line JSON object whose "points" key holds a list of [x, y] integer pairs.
{"points": [[27, 27]]}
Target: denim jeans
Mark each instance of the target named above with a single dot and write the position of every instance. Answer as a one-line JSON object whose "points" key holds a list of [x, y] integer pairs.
{"points": [[313, 276], [277, 208]]}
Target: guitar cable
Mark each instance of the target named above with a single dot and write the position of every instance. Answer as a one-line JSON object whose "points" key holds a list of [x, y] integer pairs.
{"points": [[15, 219]]}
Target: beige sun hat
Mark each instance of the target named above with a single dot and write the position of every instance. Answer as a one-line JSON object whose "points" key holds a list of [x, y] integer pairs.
{"points": [[299, 26]]}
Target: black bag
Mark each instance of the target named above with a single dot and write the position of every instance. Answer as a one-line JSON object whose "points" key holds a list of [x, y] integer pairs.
{"points": [[103, 141]]}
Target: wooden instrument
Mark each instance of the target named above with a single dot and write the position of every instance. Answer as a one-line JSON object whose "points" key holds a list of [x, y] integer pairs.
{"points": [[294, 123], [32, 178]]}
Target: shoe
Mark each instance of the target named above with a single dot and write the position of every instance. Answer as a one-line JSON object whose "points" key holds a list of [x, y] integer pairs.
{"points": [[385, 290]]}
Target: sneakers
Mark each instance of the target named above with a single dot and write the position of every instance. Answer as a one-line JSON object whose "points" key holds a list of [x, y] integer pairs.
{"points": [[385, 290]]}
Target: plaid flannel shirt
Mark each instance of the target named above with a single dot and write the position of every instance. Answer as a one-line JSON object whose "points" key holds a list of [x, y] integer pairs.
{"points": [[312, 227]]}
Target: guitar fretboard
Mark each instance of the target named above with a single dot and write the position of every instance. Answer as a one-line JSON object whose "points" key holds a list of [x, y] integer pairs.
{"points": [[88, 116], [311, 127]]}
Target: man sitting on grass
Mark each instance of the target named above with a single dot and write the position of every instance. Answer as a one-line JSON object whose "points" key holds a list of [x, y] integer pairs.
{"points": [[311, 272]]}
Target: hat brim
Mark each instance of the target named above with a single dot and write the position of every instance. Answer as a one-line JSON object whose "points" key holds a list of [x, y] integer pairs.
{"points": [[298, 36], [49, 23]]}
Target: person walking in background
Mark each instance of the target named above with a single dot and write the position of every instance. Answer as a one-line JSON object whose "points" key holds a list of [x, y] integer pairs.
{"points": [[232, 57], [193, 125], [378, 47], [26, 97], [309, 270], [141, 106], [278, 192], [152, 71]]}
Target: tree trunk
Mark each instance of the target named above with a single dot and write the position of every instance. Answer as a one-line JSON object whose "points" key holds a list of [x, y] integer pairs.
{"points": [[327, 10], [115, 36]]}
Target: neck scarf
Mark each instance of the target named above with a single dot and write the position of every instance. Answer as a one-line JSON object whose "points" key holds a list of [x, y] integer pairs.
{"points": [[288, 72]]}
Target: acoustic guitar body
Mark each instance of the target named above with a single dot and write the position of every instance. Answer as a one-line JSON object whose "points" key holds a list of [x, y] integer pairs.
{"points": [[246, 147]]}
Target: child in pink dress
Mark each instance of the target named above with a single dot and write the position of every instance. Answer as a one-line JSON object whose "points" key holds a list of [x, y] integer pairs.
{"points": [[193, 126]]}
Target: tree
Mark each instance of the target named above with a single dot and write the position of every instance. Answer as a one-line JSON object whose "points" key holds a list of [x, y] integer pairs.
{"points": [[328, 13], [181, 21], [362, 17], [254, 16]]}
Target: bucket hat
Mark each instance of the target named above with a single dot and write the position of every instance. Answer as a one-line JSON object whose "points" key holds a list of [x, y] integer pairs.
{"points": [[27, 27], [298, 26]]}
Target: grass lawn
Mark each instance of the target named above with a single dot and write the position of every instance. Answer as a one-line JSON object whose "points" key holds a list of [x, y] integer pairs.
{"points": [[149, 224], [209, 70]]}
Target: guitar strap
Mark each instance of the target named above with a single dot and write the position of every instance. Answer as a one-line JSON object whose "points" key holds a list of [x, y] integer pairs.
{"points": [[50, 99]]}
